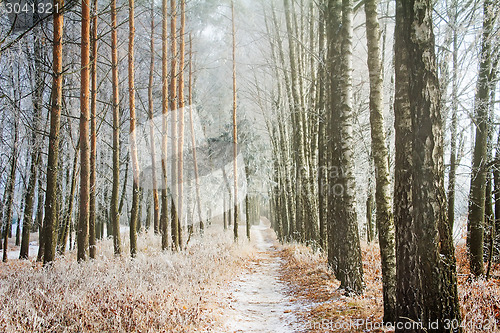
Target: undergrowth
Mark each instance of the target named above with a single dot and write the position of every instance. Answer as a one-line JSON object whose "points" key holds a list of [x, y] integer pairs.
{"points": [[158, 291], [329, 310]]}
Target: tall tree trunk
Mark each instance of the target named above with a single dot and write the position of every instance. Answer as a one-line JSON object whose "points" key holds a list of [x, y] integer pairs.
{"points": [[115, 214], [475, 226], [9, 189], [407, 282], [235, 129], [83, 224], [454, 122], [434, 258], [182, 103], [50, 219], [385, 220], [36, 141], [133, 142], [322, 134], [174, 208], [345, 256], [93, 135], [164, 78], [156, 204], [193, 134]]}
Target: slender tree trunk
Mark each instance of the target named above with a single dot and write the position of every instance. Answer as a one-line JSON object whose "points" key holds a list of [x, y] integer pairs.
{"points": [[247, 203], [68, 217], [453, 128], [40, 216], [36, 141], [50, 220], [156, 204], [385, 220], [475, 226], [322, 135], [164, 74], [235, 129], [133, 142], [115, 214], [83, 224], [181, 120], [193, 134], [93, 134], [9, 189], [174, 208]]}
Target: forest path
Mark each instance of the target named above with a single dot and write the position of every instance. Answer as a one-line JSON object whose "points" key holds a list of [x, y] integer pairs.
{"points": [[259, 302]]}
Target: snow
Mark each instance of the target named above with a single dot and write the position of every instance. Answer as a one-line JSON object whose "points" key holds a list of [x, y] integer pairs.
{"points": [[33, 251], [259, 302]]}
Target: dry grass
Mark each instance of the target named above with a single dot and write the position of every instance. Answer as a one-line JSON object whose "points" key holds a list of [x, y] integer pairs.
{"points": [[329, 310], [155, 292]]}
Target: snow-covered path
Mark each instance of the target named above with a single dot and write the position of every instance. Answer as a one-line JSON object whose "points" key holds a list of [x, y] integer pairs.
{"points": [[259, 302]]}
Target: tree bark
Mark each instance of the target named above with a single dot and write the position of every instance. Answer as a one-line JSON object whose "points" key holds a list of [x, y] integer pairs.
{"points": [[115, 214], [156, 204], [174, 208], [475, 225], [50, 219], [345, 256], [83, 224], [434, 296], [193, 135], [385, 220], [133, 142], [164, 74], [93, 134], [9, 189], [182, 103], [235, 129]]}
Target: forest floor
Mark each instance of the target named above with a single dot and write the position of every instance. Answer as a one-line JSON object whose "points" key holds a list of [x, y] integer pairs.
{"points": [[259, 300], [310, 282]]}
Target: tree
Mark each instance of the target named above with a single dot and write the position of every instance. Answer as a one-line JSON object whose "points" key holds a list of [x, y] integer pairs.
{"points": [[181, 119], [156, 204], [133, 142], [9, 189], [174, 216], [164, 80], [50, 217], [193, 136], [385, 221], [475, 226], [423, 235], [35, 152], [83, 224], [93, 135], [115, 213], [235, 129], [344, 252]]}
